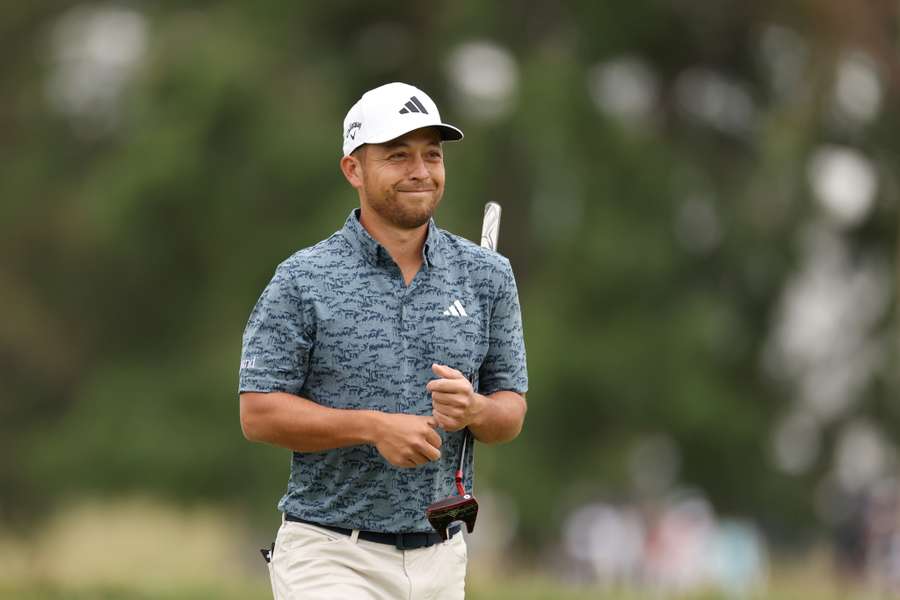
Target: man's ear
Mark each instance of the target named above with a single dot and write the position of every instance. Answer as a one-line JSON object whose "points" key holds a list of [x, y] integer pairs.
{"points": [[351, 167]]}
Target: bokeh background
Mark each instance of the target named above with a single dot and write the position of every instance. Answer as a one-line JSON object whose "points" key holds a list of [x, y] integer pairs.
{"points": [[700, 203]]}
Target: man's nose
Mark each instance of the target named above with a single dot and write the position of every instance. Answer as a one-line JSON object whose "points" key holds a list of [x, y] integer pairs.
{"points": [[418, 169]]}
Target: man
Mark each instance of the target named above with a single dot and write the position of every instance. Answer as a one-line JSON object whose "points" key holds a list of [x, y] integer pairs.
{"points": [[358, 357]]}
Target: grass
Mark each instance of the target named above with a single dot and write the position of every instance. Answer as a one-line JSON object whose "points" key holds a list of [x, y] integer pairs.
{"points": [[798, 583], [479, 588], [53, 592], [139, 549]]}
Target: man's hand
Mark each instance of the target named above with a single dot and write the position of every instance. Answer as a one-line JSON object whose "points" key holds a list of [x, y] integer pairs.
{"points": [[407, 441], [455, 404]]}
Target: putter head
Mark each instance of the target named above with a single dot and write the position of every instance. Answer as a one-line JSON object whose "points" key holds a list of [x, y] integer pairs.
{"points": [[443, 513]]}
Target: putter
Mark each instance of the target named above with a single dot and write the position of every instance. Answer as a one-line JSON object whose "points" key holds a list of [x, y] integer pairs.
{"points": [[464, 507]]}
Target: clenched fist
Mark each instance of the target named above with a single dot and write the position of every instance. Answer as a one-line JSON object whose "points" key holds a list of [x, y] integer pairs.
{"points": [[455, 404]]}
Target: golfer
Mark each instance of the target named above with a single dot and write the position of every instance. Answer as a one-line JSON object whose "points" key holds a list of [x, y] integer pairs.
{"points": [[358, 357]]}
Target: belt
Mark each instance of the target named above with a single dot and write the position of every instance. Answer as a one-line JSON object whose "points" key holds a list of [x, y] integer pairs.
{"points": [[402, 541]]}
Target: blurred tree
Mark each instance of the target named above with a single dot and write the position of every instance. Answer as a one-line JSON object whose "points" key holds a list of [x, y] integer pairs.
{"points": [[652, 159]]}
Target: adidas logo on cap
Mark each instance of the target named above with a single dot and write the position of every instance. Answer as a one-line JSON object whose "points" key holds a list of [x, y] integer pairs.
{"points": [[413, 106]]}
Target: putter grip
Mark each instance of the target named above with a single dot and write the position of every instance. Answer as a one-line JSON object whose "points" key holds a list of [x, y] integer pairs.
{"points": [[490, 226]]}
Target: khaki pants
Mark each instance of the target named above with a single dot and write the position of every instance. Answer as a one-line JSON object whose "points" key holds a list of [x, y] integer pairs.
{"points": [[311, 562]]}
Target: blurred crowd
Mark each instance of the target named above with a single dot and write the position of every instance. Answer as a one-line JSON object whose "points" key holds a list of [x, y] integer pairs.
{"points": [[674, 546], [679, 544], [867, 535]]}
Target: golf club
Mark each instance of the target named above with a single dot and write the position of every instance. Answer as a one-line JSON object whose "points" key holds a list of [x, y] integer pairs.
{"points": [[464, 507]]}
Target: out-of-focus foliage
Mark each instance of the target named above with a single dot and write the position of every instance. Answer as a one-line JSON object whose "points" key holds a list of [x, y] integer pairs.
{"points": [[653, 162]]}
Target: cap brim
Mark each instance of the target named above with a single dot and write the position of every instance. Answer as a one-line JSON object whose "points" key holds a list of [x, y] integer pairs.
{"points": [[449, 133]]}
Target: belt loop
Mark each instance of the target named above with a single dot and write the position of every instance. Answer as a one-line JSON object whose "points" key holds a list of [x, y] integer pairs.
{"points": [[354, 536]]}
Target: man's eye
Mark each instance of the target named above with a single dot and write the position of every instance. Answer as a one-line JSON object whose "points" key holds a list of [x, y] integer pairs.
{"points": [[397, 156]]}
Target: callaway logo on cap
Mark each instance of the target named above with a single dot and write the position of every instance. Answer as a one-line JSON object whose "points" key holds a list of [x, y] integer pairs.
{"points": [[389, 111]]}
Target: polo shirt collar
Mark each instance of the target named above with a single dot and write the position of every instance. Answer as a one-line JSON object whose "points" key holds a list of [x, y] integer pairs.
{"points": [[375, 253]]}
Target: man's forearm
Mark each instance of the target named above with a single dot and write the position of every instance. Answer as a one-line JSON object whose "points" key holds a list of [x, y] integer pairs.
{"points": [[299, 424], [501, 417]]}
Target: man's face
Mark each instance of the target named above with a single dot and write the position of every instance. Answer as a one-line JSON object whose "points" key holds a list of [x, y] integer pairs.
{"points": [[403, 179]]}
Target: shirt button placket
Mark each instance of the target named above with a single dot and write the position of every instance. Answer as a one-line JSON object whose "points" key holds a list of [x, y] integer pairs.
{"points": [[404, 350], [404, 323]]}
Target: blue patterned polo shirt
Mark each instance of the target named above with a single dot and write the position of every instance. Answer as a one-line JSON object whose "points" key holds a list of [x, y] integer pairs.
{"points": [[338, 325]]}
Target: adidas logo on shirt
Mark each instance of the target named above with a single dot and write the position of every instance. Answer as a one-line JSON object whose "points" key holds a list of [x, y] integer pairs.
{"points": [[456, 309], [413, 105]]}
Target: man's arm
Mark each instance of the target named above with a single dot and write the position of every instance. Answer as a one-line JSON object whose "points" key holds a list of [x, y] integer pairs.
{"points": [[299, 424], [494, 418], [501, 418]]}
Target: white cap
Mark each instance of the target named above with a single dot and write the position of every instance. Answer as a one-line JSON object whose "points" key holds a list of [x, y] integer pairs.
{"points": [[389, 111]]}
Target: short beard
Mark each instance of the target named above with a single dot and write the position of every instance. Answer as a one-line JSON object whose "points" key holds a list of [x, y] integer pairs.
{"points": [[389, 208]]}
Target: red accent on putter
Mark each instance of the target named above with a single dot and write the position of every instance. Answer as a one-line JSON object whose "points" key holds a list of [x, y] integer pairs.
{"points": [[444, 512], [464, 507]]}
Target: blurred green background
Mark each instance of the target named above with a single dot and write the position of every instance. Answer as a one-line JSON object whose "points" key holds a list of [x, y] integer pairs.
{"points": [[700, 203]]}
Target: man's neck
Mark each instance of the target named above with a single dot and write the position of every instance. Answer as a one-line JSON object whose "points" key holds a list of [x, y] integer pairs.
{"points": [[404, 245]]}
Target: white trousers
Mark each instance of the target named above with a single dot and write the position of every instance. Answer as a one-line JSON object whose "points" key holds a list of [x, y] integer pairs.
{"points": [[311, 562]]}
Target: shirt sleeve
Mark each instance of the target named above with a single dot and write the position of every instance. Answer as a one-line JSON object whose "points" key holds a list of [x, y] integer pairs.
{"points": [[504, 365], [278, 339]]}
